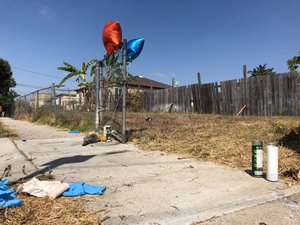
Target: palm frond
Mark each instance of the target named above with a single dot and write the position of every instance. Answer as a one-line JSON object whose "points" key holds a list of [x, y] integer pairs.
{"points": [[93, 70], [91, 62], [69, 65], [67, 77], [67, 69], [83, 68]]}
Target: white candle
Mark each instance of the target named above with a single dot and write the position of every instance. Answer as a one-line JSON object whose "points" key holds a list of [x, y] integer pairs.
{"points": [[272, 161]]}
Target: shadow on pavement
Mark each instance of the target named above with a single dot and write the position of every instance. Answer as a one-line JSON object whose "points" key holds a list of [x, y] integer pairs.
{"points": [[115, 152], [58, 162]]}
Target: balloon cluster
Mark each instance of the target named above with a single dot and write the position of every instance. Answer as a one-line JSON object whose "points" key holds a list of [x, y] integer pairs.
{"points": [[112, 40]]}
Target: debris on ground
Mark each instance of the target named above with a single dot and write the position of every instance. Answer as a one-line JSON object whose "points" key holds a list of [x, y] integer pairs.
{"points": [[7, 195], [35, 187], [34, 210], [77, 189], [74, 132], [91, 138]]}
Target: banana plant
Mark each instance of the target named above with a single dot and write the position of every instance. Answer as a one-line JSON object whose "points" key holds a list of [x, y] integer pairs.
{"points": [[82, 79], [81, 73], [114, 75]]}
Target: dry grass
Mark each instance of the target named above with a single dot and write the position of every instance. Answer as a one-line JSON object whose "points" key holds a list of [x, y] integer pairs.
{"points": [[62, 210], [45, 211], [222, 139], [6, 132]]}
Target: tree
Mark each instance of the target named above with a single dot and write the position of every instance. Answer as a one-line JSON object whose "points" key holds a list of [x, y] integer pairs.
{"points": [[294, 63], [261, 71], [7, 82]]}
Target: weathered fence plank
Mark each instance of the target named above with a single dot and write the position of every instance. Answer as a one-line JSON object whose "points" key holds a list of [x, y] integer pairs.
{"points": [[262, 95]]}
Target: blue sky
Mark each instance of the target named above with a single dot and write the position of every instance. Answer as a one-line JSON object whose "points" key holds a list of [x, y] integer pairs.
{"points": [[214, 37]]}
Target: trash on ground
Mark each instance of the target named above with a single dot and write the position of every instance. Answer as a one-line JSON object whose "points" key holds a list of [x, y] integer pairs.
{"points": [[38, 188], [74, 132], [103, 134], [7, 195], [77, 189], [91, 138]]}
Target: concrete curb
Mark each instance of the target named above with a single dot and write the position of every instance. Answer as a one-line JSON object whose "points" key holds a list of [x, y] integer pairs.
{"points": [[221, 210]]}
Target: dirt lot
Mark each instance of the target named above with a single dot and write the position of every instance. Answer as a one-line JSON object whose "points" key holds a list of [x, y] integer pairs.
{"points": [[222, 139]]}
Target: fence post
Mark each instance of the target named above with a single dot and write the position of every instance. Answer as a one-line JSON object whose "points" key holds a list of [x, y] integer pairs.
{"points": [[245, 83], [54, 97], [199, 78], [217, 98], [124, 93], [97, 95], [37, 99], [101, 94]]}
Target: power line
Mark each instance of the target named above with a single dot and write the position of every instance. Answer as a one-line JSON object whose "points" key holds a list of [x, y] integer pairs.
{"points": [[29, 86], [38, 73]]}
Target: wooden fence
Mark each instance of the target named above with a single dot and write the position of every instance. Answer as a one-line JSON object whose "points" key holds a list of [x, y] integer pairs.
{"points": [[262, 96]]}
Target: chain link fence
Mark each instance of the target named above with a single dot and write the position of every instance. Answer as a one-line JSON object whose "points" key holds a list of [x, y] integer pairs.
{"points": [[74, 108]]}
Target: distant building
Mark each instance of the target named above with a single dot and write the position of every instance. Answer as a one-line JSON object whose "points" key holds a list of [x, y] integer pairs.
{"points": [[40, 99], [142, 83], [68, 100], [138, 83]]}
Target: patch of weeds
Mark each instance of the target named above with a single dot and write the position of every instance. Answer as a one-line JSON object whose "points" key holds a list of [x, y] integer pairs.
{"points": [[279, 128], [6, 132]]}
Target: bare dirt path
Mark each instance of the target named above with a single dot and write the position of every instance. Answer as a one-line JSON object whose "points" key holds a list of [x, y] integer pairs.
{"points": [[149, 187], [28, 130]]}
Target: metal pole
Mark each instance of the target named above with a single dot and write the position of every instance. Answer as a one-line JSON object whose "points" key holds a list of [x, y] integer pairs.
{"points": [[124, 93], [97, 95], [54, 97], [100, 94]]}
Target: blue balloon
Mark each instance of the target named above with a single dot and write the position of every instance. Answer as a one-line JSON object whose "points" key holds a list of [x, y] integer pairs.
{"points": [[134, 48]]}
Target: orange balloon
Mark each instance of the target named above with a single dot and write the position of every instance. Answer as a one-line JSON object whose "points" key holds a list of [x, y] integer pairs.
{"points": [[112, 36]]}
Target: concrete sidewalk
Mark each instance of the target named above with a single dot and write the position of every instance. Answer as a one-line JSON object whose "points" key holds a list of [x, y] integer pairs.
{"points": [[142, 187]]}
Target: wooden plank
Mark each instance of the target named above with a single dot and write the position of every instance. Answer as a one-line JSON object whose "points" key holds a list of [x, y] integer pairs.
{"points": [[269, 95], [217, 99], [275, 95], [293, 94], [253, 97], [260, 96], [280, 95], [265, 95], [223, 93]]}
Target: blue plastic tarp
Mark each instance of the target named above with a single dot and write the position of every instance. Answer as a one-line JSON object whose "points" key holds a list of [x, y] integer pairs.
{"points": [[74, 131], [7, 195], [77, 189]]}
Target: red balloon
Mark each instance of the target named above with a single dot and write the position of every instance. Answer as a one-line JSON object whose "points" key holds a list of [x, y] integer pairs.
{"points": [[112, 36]]}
